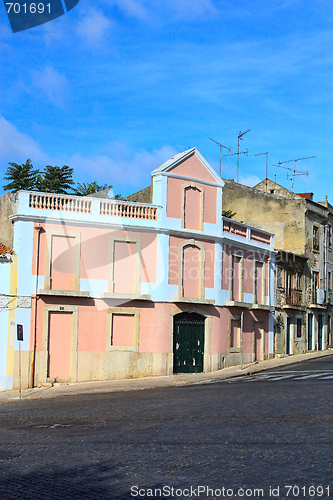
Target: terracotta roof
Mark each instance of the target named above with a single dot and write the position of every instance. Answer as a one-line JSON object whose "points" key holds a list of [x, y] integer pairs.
{"points": [[4, 250]]}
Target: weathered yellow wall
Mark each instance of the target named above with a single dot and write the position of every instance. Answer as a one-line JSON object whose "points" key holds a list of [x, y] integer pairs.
{"points": [[283, 217], [12, 317]]}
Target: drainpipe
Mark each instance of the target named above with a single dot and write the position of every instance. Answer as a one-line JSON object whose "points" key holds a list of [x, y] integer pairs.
{"points": [[241, 340], [325, 277], [33, 361]]}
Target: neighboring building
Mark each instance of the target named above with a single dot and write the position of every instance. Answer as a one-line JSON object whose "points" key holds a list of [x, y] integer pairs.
{"points": [[329, 271], [301, 227], [290, 304], [124, 289], [7, 315]]}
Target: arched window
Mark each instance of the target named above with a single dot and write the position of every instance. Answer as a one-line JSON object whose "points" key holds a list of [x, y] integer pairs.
{"points": [[192, 269], [192, 207]]}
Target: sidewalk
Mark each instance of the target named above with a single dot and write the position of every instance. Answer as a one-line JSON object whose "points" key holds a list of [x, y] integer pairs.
{"points": [[156, 382]]}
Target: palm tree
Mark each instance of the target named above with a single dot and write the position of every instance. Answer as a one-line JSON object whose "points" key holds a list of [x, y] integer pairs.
{"points": [[20, 177], [56, 179]]}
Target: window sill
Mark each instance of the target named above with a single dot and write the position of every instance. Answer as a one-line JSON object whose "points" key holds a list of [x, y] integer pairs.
{"points": [[123, 348], [64, 293], [288, 306], [234, 303], [264, 307], [130, 296], [190, 300]]}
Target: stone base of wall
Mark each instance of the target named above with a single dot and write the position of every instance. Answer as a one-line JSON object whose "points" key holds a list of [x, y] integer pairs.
{"points": [[120, 365], [117, 365], [234, 359]]}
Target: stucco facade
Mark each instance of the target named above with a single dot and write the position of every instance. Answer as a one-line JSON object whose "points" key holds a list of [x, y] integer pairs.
{"points": [[301, 229], [121, 289]]}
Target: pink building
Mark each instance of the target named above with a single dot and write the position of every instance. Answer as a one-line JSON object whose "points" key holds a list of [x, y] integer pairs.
{"points": [[121, 289]]}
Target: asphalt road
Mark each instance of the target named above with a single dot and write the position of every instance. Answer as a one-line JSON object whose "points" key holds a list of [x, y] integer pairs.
{"points": [[248, 435]]}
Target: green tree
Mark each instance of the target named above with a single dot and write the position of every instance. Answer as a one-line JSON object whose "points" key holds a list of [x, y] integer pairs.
{"points": [[92, 187], [20, 177], [228, 213], [55, 180]]}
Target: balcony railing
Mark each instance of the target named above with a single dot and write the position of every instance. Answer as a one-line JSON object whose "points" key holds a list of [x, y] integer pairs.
{"points": [[131, 210], [294, 298], [63, 203], [82, 205], [234, 228], [260, 237], [247, 232]]}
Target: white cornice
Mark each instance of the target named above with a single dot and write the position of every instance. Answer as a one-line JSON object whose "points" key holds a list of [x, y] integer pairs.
{"points": [[190, 179], [187, 234]]}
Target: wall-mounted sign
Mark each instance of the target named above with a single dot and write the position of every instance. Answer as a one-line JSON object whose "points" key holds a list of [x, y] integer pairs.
{"points": [[19, 329]]}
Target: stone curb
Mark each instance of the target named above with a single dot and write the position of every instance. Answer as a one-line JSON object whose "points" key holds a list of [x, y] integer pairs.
{"points": [[156, 382]]}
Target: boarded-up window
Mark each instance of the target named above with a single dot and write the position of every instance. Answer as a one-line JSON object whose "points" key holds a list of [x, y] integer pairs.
{"points": [[62, 263], [124, 267], [191, 271], [123, 330], [192, 208], [60, 345], [279, 277], [315, 238], [235, 333], [259, 282], [236, 278], [315, 285]]}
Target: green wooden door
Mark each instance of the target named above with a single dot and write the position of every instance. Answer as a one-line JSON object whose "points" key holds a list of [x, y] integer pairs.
{"points": [[188, 343]]}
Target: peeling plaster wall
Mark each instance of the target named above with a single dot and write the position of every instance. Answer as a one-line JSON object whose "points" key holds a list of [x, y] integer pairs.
{"points": [[283, 217], [7, 208]]}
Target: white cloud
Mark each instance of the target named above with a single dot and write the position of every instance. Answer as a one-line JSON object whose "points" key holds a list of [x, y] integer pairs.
{"points": [[52, 83], [249, 180], [132, 8], [17, 147], [93, 26], [192, 8], [121, 166]]}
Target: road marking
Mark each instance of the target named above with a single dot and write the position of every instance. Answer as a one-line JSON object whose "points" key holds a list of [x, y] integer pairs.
{"points": [[313, 375], [281, 377], [272, 377]]}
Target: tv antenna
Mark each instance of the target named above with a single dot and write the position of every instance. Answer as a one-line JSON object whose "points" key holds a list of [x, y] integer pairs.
{"points": [[293, 170], [221, 147], [260, 154], [240, 135]]}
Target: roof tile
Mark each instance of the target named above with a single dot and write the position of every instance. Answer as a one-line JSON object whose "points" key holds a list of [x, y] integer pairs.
{"points": [[4, 250]]}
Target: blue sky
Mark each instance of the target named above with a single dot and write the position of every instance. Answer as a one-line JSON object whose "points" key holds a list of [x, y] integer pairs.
{"points": [[116, 87]]}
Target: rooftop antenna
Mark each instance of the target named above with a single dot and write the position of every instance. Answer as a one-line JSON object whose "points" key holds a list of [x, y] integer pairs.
{"points": [[221, 147], [240, 135], [260, 154], [293, 170]]}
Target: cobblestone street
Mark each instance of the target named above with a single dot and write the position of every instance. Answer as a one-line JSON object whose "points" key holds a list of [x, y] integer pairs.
{"points": [[262, 434]]}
